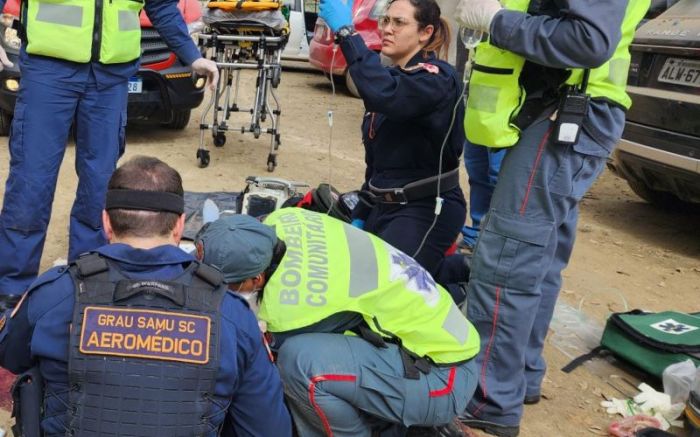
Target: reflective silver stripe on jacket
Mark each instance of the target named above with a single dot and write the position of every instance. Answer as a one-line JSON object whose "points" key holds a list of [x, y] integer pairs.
{"points": [[456, 325], [128, 20], [364, 274], [67, 15]]}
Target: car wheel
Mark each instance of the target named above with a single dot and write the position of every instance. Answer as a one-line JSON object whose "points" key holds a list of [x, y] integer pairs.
{"points": [[661, 199], [350, 85], [179, 120], [5, 123]]}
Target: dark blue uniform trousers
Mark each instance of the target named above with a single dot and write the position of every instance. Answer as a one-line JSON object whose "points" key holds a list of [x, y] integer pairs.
{"points": [[483, 165], [405, 227], [43, 115], [525, 242], [344, 384]]}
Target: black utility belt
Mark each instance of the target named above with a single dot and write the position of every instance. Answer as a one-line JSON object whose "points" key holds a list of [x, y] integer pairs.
{"points": [[416, 190]]}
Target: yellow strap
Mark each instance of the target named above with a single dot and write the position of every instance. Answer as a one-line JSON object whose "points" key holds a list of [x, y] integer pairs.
{"points": [[246, 5]]}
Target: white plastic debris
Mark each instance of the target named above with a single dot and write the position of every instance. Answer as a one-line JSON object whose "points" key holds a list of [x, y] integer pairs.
{"points": [[678, 379], [649, 402]]}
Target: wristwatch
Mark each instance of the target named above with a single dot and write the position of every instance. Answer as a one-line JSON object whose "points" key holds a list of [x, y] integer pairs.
{"points": [[344, 32]]}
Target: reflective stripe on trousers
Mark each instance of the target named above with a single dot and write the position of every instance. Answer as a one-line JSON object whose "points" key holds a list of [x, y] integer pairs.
{"points": [[343, 386]]}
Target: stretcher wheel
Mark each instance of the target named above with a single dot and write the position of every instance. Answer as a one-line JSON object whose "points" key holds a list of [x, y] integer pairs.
{"points": [[276, 76], [271, 162], [256, 131], [203, 158], [219, 139]]}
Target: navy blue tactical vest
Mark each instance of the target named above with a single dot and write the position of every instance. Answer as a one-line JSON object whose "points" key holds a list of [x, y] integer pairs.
{"points": [[144, 354]]}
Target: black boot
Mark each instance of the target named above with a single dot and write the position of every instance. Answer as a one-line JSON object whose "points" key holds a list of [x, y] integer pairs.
{"points": [[532, 400], [492, 428], [452, 429]]}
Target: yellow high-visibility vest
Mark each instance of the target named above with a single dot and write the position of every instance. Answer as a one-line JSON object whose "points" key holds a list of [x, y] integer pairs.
{"points": [[332, 267], [496, 96], [108, 31]]}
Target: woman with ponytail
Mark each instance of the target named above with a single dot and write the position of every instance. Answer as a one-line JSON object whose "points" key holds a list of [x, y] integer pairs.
{"points": [[412, 133]]}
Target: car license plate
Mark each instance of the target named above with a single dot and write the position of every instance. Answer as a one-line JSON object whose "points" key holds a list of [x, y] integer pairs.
{"points": [[681, 72], [135, 85]]}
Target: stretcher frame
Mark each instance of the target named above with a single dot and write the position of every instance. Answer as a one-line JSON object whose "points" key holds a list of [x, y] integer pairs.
{"points": [[236, 46]]}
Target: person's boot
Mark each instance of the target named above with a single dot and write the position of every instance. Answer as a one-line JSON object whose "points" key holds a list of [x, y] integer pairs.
{"points": [[492, 428], [8, 301], [452, 429], [532, 399]]}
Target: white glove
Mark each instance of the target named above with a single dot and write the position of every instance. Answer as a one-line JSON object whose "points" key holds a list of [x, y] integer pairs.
{"points": [[208, 68], [651, 400], [4, 61], [477, 14], [623, 407]]}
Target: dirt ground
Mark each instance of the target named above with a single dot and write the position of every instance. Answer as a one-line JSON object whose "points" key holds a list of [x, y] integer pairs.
{"points": [[627, 251]]}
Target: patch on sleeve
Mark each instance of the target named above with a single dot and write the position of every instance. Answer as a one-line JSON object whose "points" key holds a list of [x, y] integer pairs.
{"points": [[157, 335], [430, 68]]}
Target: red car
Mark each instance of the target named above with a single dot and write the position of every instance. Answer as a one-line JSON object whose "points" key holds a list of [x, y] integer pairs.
{"points": [[365, 16]]}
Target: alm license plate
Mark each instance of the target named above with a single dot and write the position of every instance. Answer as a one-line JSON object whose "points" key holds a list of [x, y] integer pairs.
{"points": [[681, 72], [135, 85]]}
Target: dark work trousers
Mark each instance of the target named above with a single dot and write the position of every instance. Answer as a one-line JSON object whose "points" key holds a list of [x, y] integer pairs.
{"points": [[43, 116], [526, 240], [405, 226]]}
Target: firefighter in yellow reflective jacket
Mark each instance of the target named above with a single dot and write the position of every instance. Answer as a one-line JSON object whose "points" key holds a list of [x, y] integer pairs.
{"points": [[76, 59], [366, 339], [550, 85]]}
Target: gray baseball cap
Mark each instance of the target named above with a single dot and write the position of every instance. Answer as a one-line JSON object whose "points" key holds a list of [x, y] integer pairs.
{"points": [[238, 245]]}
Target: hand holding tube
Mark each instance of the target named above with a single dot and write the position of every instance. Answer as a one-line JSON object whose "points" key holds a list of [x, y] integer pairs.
{"points": [[336, 13], [477, 14]]}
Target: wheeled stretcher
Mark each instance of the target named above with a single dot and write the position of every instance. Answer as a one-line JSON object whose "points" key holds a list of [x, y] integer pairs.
{"points": [[239, 39]]}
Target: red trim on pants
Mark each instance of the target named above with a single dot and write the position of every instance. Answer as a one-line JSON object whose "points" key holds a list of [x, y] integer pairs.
{"points": [[312, 395], [535, 166], [446, 389], [487, 354]]}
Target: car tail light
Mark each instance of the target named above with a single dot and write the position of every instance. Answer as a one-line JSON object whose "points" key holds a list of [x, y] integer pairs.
{"points": [[322, 33]]}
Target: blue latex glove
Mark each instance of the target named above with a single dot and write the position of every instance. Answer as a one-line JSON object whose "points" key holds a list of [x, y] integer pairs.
{"points": [[336, 13], [358, 223]]}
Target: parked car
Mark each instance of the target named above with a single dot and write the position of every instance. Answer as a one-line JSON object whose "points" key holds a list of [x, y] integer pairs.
{"points": [[302, 18], [164, 90], [365, 16], [659, 154]]}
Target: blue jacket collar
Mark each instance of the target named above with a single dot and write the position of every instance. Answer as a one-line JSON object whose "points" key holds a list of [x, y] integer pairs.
{"points": [[421, 57], [157, 256]]}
